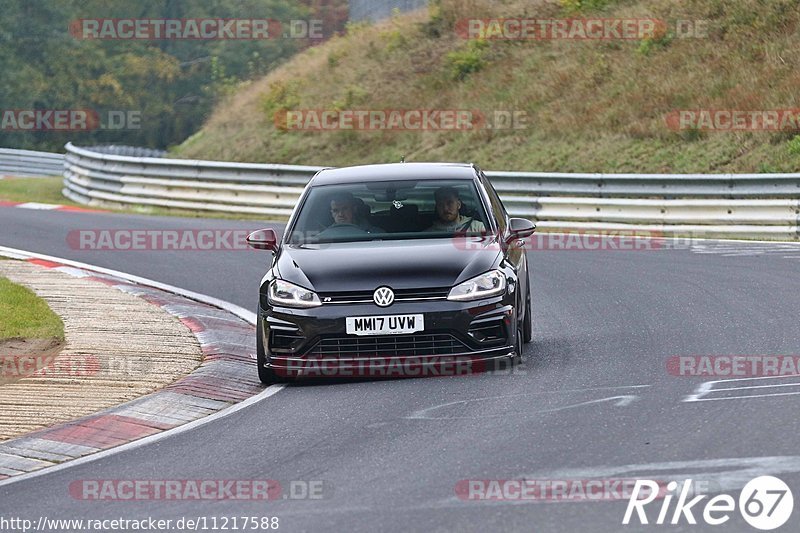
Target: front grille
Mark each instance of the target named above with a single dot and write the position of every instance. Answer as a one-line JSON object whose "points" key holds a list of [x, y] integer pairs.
{"points": [[399, 295], [412, 345]]}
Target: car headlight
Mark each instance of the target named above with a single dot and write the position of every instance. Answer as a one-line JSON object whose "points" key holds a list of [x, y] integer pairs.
{"points": [[489, 284], [290, 295]]}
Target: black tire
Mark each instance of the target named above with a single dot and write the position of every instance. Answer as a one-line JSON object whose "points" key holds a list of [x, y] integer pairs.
{"points": [[266, 375], [527, 325], [517, 359]]}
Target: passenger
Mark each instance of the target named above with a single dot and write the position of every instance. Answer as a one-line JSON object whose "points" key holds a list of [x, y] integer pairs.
{"points": [[448, 215]]}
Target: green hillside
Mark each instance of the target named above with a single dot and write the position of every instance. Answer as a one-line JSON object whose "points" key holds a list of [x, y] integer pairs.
{"points": [[165, 88], [591, 105]]}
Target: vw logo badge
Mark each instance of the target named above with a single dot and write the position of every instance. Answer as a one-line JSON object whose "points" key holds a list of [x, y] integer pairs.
{"points": [[383, 296]]}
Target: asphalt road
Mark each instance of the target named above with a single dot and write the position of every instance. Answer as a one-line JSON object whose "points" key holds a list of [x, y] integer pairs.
{"points": [[593, 399]]}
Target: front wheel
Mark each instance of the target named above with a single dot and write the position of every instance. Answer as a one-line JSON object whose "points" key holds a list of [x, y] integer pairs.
{"points": [[518, 346], [527, 325]]}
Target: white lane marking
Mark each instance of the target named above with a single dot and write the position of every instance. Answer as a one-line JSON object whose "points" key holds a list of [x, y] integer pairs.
{"points": [[749, 248], [717, 475], [737, 471], [759, 387], [755, 378], [699, 392], [263, 395], [621, 401], [241, 312], [708, 387], [246, 315], [36, 205], [744, 397]]}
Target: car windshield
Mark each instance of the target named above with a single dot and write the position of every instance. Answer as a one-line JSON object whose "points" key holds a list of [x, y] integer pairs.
{"points": [[422, 209]]}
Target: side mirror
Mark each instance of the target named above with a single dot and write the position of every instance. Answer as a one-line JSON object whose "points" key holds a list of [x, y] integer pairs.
{"points": [[263, 239], [519, 228]]}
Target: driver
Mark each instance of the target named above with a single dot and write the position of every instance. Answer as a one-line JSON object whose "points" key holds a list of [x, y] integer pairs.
{"points": [[344, 208], [448, 215]]}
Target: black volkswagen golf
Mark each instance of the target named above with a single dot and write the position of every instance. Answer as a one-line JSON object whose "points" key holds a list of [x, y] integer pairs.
{"points": [[405, 269]]}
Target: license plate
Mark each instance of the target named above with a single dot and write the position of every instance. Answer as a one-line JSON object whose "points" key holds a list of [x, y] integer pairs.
{"points": [[384, 325]]}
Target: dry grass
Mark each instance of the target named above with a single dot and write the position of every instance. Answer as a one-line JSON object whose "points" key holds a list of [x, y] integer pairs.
{"points": [[592, 106]]}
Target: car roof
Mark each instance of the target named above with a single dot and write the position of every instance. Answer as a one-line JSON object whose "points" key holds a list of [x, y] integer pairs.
{"points": [[394, 171]]}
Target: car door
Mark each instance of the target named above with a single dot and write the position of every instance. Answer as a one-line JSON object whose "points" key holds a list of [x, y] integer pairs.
{"points": [[515, 251]]}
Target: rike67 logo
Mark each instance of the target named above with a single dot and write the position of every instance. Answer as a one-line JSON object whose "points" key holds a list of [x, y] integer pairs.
{"points": [[765, 503]]}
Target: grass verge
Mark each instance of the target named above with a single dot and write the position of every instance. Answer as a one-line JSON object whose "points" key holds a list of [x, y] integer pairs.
{"points": [[25, 315]]}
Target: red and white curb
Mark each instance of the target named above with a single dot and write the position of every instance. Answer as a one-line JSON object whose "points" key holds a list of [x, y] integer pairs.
{"points": [[50, 207], [226, 377]]}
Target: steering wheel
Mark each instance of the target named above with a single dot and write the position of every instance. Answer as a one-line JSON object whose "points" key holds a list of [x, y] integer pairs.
{"points": [[347, 225], [342, 230]]}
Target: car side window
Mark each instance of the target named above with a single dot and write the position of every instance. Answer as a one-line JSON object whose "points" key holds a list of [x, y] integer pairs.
{"points": [[497, 205]]}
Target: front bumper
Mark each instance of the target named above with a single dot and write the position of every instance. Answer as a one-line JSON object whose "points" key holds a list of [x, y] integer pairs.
{"points": [[459, 338]]}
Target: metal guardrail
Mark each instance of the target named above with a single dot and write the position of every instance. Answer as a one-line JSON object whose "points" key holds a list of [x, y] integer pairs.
{"points": [[133, 151], [30, 163], [708, 205], [95, 178]]}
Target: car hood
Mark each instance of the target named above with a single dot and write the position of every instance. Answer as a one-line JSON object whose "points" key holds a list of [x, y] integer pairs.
{"points": [[406, 264]]}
